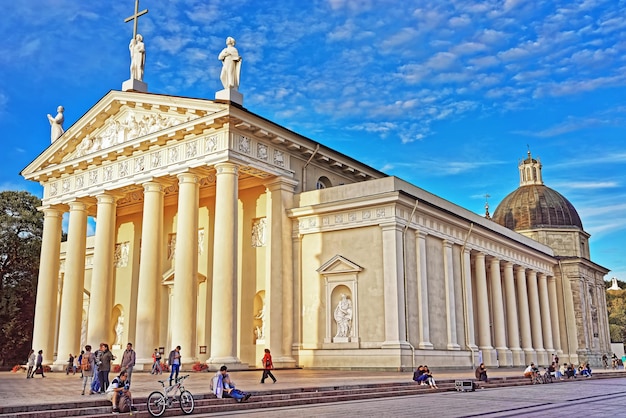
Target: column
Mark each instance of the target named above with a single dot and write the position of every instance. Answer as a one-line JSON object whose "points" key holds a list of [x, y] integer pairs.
{"points": [[546, 321], [511, 316], [393, 298], [422, 292], [186, 268], [535, 316], [524, 315], [73, 285], [279, 302], [149, 286], [554, 315], [468, 302], [224, 312], [499, 326], [448, 273], [482, 302], [98, 326], [47, 291]]}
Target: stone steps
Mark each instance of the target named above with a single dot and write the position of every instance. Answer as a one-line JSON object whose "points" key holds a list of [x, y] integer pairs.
{"points": [[207, 403]]}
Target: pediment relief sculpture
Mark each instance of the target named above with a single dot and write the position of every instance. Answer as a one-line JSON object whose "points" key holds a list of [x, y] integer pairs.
{"points": [[126, 127]]}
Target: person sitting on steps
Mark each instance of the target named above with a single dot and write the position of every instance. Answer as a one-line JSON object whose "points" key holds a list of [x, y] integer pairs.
{"points": [[223, 387], [119, 394]]}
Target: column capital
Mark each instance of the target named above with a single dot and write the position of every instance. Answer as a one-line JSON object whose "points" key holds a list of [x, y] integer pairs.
{"points": [[530, 273], [421, 234], [281, 183], [226, 168], [77, 205], [479, 254], [188, 177], [519, 268], [542, 276], [153, 186], [507, 264], [52, 210], [386, 226], [447, 243], [107, 198], [493, 259]]}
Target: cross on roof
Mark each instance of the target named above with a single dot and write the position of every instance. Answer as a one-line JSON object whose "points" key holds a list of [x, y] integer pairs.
{"points": [[135, 17]]}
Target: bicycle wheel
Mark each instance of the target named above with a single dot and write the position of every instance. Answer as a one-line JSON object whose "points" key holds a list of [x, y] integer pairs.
{"points": [[156, 404], [186, 402]]}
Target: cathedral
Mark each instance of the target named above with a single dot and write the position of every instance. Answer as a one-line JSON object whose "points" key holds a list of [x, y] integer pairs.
{"points": [[225, 233]]}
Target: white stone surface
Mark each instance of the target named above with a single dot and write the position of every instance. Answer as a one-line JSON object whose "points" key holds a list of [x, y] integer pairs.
{"points": [[134, 85], [137, 57], [231, 95], [231, 68], [56, 124]]}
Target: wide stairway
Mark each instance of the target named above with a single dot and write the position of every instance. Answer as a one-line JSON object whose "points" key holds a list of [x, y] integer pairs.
{"points": [[208, 403]]}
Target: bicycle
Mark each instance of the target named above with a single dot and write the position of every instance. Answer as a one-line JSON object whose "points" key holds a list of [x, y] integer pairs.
{"points": [[536, 378], [547, 376], [158, 401]]}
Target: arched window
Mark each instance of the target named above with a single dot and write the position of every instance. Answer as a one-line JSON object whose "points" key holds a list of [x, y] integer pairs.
{"points": [[323, 183]]}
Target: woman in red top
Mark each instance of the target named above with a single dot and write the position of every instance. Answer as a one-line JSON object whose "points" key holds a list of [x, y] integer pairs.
{"points": [[267, 366]]}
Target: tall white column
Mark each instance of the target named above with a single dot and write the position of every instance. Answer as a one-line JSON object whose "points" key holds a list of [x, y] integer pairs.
{"points": [[482, 302], [448, 272], [393, 298], [535, 316], [422, 292], [47, 285], [524, 315], [98, 326], [468, 302], [499, 326], [554, 315], [73, 285], [513, 327], [149, 286], [546, 321], [184, 311], [224, 313], [279, 302]]}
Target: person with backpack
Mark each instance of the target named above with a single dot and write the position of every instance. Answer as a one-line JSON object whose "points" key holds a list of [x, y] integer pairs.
{"points": [[267, 366], [119, 394], [87, 363]]}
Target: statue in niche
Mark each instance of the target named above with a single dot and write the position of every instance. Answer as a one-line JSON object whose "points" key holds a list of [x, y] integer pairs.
{"points": [[260, 331], [231, 65], [56, 124], [119, 330], [343, 316], [137, 57]]}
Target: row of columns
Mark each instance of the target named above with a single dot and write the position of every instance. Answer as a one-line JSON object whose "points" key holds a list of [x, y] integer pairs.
{"points": [[514, 309], [183, 310]]}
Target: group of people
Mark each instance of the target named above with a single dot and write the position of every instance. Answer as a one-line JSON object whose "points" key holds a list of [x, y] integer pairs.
{"points": [[423, 376]]}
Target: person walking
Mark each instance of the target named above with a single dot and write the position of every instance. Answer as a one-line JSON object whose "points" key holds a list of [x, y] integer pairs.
{"points": [[32, 357], [267, 366], [39, 366], [87, 366], [156, 364], [174, 362]]}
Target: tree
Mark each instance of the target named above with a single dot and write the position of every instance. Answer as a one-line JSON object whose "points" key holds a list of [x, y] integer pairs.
{"points": [[616, 305], [21, 228]]}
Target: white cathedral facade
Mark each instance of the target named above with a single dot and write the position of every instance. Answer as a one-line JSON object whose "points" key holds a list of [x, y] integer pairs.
{"points": [[225, 233]]}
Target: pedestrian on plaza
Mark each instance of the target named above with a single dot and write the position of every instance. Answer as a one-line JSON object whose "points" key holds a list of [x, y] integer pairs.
{"points": [[95, 381], [128, 361], [481, 373], [104, 367], [174, 362], [87, 367], [79, 363], [32, 357], [70, 365], [267, 366], [156, 362], [39, 366]]}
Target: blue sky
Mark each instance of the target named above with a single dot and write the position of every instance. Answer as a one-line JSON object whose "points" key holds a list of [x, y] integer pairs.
{"points": [[446, 94]]}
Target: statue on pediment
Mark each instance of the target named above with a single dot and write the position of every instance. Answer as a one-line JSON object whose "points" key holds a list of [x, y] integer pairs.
{"points": [[137, 57], [56, 124], [231, 65]]}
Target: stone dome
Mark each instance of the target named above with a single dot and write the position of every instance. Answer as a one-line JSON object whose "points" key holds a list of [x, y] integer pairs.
{"points": [[534, 205]]}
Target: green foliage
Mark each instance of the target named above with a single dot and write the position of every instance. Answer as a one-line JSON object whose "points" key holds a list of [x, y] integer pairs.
{"points": [[616, 305], [21, 227]]}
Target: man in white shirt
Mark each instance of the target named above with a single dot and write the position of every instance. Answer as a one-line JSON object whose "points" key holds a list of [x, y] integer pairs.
{"points": [[118, 392]]}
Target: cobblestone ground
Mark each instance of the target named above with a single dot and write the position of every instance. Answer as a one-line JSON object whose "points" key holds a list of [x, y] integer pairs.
{"points": [[589, 398]]}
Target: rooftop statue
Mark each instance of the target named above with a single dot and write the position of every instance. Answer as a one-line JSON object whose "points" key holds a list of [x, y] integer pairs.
{"points": [[137, 57], [231, 68], [56, 124]]}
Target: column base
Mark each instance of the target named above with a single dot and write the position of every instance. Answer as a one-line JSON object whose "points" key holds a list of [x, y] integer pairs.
{"points": [[530, 356], [284, 362], [505, 357], [454, 347], [542, 357], [518, 356], [489, 356], [425, 345]]}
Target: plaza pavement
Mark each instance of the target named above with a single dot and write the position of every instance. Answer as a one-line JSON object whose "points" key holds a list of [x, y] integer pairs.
{"points": [[57, 387]]}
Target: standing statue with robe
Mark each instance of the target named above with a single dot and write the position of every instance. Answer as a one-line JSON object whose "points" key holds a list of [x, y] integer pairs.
{"points": [[231, 68], [137, 57], [56, 124]]}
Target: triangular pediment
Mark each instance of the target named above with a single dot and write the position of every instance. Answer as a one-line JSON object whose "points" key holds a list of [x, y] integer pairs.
{"points": [[339, 265], [118, 118]]}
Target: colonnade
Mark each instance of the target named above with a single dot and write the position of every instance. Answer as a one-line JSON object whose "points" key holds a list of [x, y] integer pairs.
{"points": [[511, 311], [223, 339]]}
